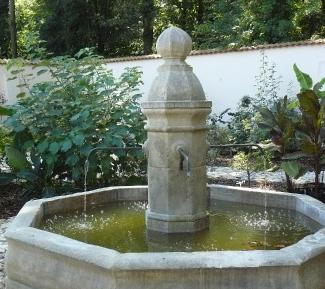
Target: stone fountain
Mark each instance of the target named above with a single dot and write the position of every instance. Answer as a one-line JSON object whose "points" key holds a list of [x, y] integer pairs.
{"points": [[178, 199], [176, 147]]}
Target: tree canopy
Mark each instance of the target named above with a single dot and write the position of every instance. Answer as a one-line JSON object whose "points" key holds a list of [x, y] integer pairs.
{"points": [[122, 27]]}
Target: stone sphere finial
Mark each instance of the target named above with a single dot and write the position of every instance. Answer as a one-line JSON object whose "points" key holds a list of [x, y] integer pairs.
{"points": [[174, 43]]}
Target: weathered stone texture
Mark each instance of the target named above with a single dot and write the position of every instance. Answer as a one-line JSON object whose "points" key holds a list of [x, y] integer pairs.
{"points": [[176, 112]]}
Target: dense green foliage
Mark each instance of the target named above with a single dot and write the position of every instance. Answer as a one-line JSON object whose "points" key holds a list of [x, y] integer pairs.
{"points": [[4, 139], [296, 126], [279, 122], [301, 122], [60, 122], [310, 126], [30, 15], [218, 134], [4, 30], [252, 161], [244, 120], [236, 23], [121, 27]]}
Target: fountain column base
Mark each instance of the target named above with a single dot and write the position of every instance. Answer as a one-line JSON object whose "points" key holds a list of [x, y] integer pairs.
{"points": [[175, 223]]}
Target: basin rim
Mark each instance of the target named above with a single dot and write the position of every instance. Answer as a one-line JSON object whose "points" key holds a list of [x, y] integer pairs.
{"points": [[22, 231]]}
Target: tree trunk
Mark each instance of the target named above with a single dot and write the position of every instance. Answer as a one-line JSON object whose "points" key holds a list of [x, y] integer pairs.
{"points": [[289, 184], [317, 173], [99, 33], [184, 14], [101, 10], [200, 11], [148, 16], [249, 178], [13, 28], [323, 11]]}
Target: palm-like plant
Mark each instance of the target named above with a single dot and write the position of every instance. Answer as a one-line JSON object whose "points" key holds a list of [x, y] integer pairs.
{"points": [[278, 121]]}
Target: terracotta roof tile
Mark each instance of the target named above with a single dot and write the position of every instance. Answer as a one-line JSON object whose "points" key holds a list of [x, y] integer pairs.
{"points": [[217, 50], [227, 50]]}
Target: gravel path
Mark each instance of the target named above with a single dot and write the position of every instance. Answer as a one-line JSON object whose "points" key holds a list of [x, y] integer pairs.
{"points": [[241, 176], [3, 247]]}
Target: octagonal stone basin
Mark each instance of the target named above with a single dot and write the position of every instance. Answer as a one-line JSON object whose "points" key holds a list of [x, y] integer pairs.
{"points": [[38, 259]]}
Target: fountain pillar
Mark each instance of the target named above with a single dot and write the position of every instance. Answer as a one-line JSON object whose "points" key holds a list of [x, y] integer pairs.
{"points": [[176, 147]]}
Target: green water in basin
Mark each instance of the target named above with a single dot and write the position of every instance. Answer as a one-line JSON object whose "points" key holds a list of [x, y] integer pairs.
{"points": [[233, 226]]}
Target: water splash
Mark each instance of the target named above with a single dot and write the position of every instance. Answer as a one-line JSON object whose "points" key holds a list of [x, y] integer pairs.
{"points": [[121, 226]]}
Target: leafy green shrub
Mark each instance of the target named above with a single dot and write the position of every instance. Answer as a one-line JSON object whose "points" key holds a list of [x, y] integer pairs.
{"points": [[279, 123], [310, 126], [252, 162], [243, 123], [4, 139], [218, 134], [4, 133], [83, 107], [304, 125]]}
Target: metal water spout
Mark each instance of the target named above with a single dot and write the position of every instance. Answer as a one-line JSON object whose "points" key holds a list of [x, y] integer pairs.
{"points": [[176, 113], [184, 158]]}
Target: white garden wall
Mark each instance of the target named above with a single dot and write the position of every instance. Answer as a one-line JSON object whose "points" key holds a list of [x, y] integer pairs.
{"points": [[9, 87], [227, 76]]}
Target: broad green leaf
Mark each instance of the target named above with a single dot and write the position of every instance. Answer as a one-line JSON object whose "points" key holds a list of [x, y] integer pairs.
{"points": [[21, 94], [304, 79], [27, 144], [78, 139], [54, 147], [309, 103], [76, 173], [85, 150], [309, 147], [288, 132], [72, 160], [6, 111], [321, 94], [118, 115], [85, 114], [16, 159], [66, 145], [50, 162], [42, 147], [267, 116], [75, 117], [318, 86], [292, 168], [293, 105], [113, 140]]}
